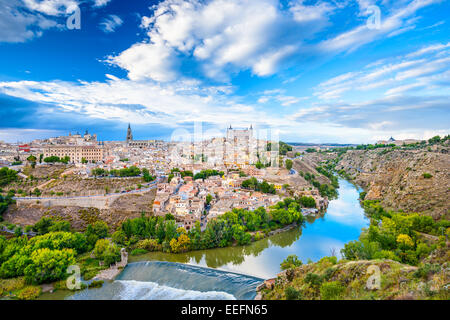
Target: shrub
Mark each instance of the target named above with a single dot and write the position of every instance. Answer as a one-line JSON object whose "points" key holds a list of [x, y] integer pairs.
{"points": [[258, 236], [331, 290], [290, 262], [29, 293], [313, 279], [107, 251], [48, 265], [292, 294], [138, 251], [119, 237], [96, 284], [427, 175], [427, 269], [148, 245]]}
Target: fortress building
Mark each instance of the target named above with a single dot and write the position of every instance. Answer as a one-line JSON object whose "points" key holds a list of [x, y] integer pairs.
{"points": [[239, 147]]}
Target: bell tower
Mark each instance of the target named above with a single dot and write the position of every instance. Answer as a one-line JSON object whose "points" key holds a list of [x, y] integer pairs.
{"points": [[129, 134]]}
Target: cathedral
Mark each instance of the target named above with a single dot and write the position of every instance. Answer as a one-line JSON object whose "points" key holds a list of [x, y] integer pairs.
{"points": [[129, 134], [138, 143]]}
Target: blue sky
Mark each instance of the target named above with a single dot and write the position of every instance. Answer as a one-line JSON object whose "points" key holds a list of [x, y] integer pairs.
{"points": [[317, 71]]}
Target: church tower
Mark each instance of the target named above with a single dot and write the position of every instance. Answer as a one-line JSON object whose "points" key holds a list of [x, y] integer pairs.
{"points": [[129, 134]]}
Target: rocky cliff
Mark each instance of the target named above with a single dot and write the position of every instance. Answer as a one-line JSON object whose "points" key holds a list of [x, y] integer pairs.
{"points": [[409, 180]]}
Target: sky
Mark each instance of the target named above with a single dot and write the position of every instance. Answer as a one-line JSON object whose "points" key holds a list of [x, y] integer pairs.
{"points": [[350, 71]]}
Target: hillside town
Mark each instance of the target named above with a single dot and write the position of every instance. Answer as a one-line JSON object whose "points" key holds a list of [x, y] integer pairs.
{"points": [[193, 181]]}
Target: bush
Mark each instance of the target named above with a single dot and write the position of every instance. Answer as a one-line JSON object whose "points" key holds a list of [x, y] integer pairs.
{"points": [[290, 262], [292, 294], [107, 251], [49, 265], [148, 245], [313, 279], [307, 202], [96, 284], [119, 237], [29, 293], [427, 176], [138, 251], [331, 290], [426, 270]]}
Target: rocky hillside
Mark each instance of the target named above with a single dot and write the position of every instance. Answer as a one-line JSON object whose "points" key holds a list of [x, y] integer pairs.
{"points": [[358, 280], [409, 180], [126, 207]]}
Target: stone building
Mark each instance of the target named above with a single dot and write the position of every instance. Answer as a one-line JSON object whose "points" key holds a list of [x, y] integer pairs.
{"points": [[75, 153]]}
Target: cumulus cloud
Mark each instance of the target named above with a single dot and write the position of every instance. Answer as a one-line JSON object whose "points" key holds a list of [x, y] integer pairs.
{"points": [[222, 36], [51, 7]]}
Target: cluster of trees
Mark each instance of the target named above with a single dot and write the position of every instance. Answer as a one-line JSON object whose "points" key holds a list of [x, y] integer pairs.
{"points": [[253, 184], [307, 202], [327, 172], [40, 259], [147, 176], [417, 145], [182, 173], [438, 139], [283, 147], [46, 257], [328, 190], [238, 226], [395, 236], [132, 171], [4, 203], [53, 159], [7, 176], [260, 165], [207, 173]]}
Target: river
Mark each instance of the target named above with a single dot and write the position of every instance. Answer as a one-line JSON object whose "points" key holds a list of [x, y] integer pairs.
{"points": [[234, 272]]}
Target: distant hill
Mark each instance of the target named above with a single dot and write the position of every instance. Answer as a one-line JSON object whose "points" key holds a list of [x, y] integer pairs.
{"points": [[320, 144]]}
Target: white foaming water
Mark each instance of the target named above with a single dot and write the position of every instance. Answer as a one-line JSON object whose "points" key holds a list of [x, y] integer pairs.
{"points": [[139, 290]]}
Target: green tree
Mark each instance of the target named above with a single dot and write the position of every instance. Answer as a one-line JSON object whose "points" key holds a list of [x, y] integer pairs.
{"points": [[290, 262], [288, 163], [208, 199], [49, 265]]}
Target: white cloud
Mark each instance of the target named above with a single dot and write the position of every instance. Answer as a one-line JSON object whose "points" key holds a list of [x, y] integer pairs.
{"points": [[17, 25], [397, 74], [101, 3], [144, 60], [361, 35], [51, 7], [111, 23], [307, 13], [226, 36]]}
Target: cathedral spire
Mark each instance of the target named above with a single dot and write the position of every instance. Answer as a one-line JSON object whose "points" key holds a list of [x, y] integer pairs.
{"points": [[129, 134]]}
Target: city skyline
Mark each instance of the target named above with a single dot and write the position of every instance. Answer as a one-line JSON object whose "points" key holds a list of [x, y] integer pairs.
{"points": [[319, 72]]}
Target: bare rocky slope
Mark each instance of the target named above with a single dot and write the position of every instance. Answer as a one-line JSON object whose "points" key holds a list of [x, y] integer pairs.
{"points": [[408, 180]]}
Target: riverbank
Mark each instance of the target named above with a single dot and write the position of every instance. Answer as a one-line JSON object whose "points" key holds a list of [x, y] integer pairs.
{"points": [[412, 266], [320, 235]]}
